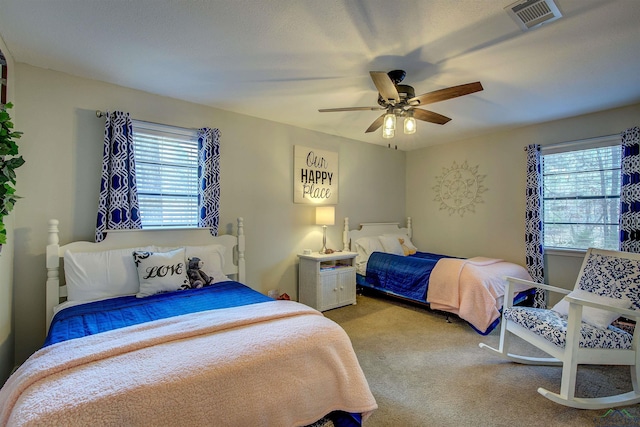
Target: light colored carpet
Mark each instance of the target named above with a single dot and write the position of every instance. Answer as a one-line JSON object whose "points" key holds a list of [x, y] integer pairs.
{"points": [[424, 371]]}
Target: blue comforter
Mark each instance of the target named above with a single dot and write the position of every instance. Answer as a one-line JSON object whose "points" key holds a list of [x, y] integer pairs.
{"points": [[100, 316], [406, 276]]}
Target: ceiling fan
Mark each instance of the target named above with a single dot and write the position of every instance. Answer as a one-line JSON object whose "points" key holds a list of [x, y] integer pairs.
{"points": [[400, 101]]}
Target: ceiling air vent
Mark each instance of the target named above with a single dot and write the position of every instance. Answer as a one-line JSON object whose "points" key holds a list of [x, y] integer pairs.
{"points": [[530, 14]]}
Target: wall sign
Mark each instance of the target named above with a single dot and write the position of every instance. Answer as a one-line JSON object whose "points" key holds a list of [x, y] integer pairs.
{"points": [[315, 176]]}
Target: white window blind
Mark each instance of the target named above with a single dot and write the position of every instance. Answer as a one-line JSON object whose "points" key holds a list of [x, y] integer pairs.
{"points": [[166, 175], [581, 195]]}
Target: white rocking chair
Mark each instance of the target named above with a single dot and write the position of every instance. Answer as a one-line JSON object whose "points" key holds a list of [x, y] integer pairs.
{"points": [[584, 336]]}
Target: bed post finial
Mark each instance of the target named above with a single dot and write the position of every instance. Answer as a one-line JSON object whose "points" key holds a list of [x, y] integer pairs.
{"points": [[241, 260], [54, 238], [410, 227], [345, 234]]}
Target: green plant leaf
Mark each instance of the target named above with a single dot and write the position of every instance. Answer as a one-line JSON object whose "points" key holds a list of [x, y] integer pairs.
{"points": [[8, 147], [8, 172], [15, 162], [8, 189]]}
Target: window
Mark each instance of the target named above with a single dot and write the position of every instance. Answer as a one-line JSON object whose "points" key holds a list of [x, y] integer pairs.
{"points": [[581, 194], [166, 174]]}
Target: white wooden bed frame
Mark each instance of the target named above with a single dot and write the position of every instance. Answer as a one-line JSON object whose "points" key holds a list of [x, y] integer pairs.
{"points": [[118, 239], [370, 229]]}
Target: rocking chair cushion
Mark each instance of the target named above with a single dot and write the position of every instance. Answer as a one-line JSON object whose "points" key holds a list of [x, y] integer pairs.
{"points": [[593, 316], [552, 326]]}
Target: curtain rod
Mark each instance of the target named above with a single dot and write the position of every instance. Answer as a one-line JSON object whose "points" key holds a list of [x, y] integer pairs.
{"points": [[579, 141], [100, 114]]}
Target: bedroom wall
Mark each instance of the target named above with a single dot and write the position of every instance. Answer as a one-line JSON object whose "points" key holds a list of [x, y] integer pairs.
{"points": [[496, 228], [6, 257], [63, 149]]}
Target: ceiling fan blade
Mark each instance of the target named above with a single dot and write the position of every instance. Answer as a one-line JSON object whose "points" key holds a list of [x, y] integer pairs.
{"points": [[430, 116], [444, 94], [385, 86], [329, 110], [376, 124]]}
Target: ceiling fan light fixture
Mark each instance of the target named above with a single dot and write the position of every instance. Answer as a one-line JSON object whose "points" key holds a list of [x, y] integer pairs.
{"points": [[410, 124], [400, 101], [389, 125]]}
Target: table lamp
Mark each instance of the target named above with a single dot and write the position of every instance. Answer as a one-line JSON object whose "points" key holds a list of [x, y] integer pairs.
{"points": [[325, 215]]}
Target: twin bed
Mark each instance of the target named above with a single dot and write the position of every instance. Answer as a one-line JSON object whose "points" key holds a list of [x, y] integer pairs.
{"points": [[133, 345], [389, 263]]}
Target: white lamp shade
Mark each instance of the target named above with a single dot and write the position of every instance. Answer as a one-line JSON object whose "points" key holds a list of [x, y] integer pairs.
{"points": [[325, 215]]}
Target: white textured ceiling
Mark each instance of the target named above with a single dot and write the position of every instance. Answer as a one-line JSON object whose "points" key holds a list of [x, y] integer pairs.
{"points": [[282, 60]]}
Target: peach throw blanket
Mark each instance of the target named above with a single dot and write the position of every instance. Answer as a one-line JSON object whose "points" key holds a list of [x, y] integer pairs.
{"points": [[472, 288], [277, 363]]}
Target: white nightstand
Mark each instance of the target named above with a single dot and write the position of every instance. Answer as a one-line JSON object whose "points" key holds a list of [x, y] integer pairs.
{"points": [[327, 281]]}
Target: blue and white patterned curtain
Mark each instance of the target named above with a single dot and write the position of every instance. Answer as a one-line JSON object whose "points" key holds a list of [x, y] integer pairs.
{"points": [[534, 248], [118, 200], [630, 191], [209, 176]]}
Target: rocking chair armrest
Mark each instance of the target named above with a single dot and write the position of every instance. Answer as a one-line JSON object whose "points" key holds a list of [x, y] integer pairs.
{"points": [[621, 311], [532, 284], [510, 289]]}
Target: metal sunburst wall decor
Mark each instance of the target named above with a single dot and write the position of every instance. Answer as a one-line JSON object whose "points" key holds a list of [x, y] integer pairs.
{"points": [[459, 189]]}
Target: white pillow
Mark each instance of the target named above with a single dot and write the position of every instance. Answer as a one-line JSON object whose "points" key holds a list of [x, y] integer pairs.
{"points": [[593, 316], [212, 257], [161, 271], [368, 245], [365, 246], [407, 241], [95, 275], [391, 244]]}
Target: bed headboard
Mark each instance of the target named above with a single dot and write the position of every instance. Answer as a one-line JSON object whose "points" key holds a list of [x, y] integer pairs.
{"points": [[117, 239], [368, 229]]}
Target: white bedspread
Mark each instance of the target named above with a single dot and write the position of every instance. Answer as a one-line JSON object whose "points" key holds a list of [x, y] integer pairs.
{"points": [[472, 288], [277, 363]]}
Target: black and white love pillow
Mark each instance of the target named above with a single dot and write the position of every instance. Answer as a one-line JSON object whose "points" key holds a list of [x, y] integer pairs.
{"points": [[160, 271]]}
